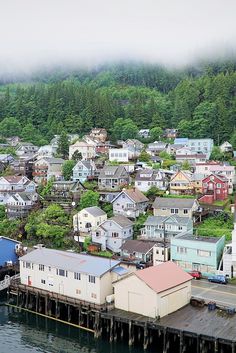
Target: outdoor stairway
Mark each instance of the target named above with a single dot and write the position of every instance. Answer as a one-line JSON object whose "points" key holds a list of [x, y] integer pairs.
{"points": [[7, 281]]}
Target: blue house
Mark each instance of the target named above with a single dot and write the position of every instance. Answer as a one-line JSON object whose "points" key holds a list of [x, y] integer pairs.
{"points": [[8, 251], [197, 253], [83, 169]]}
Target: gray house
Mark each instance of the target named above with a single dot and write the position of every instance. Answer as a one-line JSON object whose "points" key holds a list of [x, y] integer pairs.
{"points": [[169, 206], [113, 178], [159, 227], [112, 233], [83, 170], [130, 203]]}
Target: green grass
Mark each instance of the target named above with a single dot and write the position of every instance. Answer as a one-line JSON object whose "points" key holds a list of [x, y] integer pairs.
{"points": [[179, 196]]}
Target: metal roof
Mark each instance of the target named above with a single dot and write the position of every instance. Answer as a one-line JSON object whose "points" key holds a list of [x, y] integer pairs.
{"points": [[119, 270], [170, 202], [94, 211], [93, 265], [156, 220]]}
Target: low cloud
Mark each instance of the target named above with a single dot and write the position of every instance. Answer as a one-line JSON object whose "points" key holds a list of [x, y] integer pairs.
{"points": [[44, 33]]}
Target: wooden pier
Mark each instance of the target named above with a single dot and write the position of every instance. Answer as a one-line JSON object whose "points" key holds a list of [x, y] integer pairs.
{"points": [[189, 330]]}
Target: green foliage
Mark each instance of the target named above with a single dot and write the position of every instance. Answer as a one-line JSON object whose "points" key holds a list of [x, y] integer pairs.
{"points": [[164, 155], [2, 213], [10, 127], [139, 224], [167, 163], [90, 185], [124, 129], [107, 207], [45, 190], [89, 198], [216, 154], [217, 226], [144, 156], [152, 192], [9, 228], [186, 165], [67, 169], [77, 156], [87, 242], [63, 145], [155, 133]]}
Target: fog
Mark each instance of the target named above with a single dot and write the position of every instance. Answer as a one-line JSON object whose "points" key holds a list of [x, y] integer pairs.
{"points": [[43, 33]]}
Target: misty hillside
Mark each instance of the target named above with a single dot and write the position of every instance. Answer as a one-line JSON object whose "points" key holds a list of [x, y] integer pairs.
{"points": [[200, 101]]}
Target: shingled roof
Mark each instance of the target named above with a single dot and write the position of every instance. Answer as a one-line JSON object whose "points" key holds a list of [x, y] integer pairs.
{"points": [[165, 202]]}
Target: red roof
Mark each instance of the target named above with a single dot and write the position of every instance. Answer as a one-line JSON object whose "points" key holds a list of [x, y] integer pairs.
{"points": [[163, 277]]}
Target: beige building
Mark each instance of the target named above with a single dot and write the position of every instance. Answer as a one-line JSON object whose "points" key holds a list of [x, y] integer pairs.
{"points": [[181, 183], [88, 219], [84, 277], [169, 206], [87, 151], [155, 291]]}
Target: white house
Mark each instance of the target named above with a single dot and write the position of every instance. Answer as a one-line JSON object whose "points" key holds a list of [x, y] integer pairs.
{"points": [[46, 168], [155, 292], [88, 219], [118, 154], [83, 277], [83, 170], [87, 151], [147, 178], [13, 184], [112, 233], [226, 147]]}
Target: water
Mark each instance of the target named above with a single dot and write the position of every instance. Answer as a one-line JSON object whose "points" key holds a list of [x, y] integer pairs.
{"points": [[23, 332]]}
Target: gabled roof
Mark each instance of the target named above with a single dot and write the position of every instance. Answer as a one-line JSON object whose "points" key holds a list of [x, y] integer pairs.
{"points": [[93, 265], [134, 194], [163, 277], [15, 179], [169, 202], [122, 221], [94, 211], [139, 246], [156, 220], [187, 174], [112, 171]]}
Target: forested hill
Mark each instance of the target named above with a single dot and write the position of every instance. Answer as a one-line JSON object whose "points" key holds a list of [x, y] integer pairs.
{"points": [[199, 101]]}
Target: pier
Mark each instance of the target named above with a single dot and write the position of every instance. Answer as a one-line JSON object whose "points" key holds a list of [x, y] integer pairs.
{"points": [[189, 330]]}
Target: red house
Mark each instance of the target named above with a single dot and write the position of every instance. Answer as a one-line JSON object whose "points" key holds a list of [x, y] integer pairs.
{"points": [[214, 187]]}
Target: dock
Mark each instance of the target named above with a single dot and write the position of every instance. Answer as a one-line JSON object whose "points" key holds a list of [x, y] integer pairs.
{"points": [[188, 330]]}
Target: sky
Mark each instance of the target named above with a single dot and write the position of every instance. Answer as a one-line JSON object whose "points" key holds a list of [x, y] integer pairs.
{"points": [[37, 33]]}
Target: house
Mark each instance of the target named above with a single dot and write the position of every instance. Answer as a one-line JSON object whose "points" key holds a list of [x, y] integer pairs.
{"points": [[24, 166], [156, 147], [6, 158], [170, 133], [79, 276], [98, 134], [144, 133], [8, 251], [13, 141], [181, 183], [47, 168], [19, 205], [185, 154], [118, 155], [181, 141], [165, 228], [214, 187], [100, 147], [228, 263], [13, 184], [113, 178], [204, 146], [226, 147], [130, 203], [113, 232], [55, 140], [147, 178], [145, 251], [88, 219], [197, 253], [83, 170], [87, 151], [134, 148], [218, 168], [168, 206], [46, 151], [26, 148], [155, 292]]}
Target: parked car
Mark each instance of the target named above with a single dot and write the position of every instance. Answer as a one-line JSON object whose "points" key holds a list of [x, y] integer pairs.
{"points": [[140, 265], [196, 274], [218, 279]]}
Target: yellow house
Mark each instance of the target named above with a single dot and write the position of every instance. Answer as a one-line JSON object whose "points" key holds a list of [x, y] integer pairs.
{"points": [[155, 291], [182, 183], [88, 219]]}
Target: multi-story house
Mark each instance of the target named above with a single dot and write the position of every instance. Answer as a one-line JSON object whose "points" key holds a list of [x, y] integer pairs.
{"points": [[170, 133], [87, 151], [13, 184], [82, 277], [226, 147], [147, 178], [164, 228], [130, 203], [134, 148], [214, 187], [24, 166], [46, 151], [204, 146], [118, 155], [165, 206], [144, 133], [88, 219], [185, 154], [26, 148], [138, 250], [113, 178], [217, 168], [197, 253], [98, 134], [19, 205], [157, 147], [181, 183], [83, 170], [47, 168], [112, 233]]}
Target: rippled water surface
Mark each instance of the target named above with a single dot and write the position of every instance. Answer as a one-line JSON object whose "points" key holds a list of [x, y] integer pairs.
{"points": [[22, 332]]}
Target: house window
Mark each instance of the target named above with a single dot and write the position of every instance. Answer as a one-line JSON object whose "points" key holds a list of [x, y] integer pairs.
{"points": [[180, 228], [78, 291], [61, 272], [28, 265], [174, 210], [185, 211], [92, 279], [41, 267], [181, 250], [43, 281], [94, 295], [203, 253], [77, 276], [218, 185], [114, 234]]}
